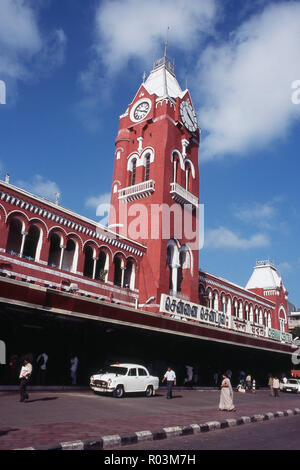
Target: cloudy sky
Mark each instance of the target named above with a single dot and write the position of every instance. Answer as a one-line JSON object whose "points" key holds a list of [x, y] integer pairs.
{"points": [[72, 67]]}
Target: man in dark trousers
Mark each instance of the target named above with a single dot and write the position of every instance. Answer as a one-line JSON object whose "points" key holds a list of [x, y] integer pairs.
{"points": [[170, 377], [24, 377]]}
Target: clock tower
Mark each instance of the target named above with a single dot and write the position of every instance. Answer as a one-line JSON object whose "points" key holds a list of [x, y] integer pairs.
{"points": [[155, 190]]}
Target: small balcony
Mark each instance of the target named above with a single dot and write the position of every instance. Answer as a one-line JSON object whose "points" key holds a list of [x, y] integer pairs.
{"points": [[182, 196], [138, 191]]}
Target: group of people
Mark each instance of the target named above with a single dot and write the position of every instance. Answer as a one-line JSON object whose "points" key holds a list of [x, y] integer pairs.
{"points": [[41, 362], [226, 397]]}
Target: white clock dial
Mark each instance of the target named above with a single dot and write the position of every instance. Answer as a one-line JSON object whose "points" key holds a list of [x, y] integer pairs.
{"points": [[140, 110], [188, 116]]}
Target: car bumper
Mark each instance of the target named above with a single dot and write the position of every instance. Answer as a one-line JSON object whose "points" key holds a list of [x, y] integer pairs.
{"points": [[102, 389]]}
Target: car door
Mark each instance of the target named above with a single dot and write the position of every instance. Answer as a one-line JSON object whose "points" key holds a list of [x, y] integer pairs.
{"points": [[143, 379], [132, 380]]}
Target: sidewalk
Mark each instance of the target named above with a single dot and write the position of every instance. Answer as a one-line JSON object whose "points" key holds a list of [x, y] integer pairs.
{"points": [[192, 408]]}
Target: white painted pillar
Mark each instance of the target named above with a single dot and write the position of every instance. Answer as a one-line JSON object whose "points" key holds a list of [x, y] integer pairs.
{"points": [[62, 247], [24, 234]]}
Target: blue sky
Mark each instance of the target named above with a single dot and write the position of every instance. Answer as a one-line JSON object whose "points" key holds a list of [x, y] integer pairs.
{"points": [[72, 67]]}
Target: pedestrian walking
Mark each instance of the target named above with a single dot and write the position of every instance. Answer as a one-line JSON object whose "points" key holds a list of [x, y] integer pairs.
{"points": [[270, 384], [276, 386], [226, 396], [24, 377], [248, 381], [73, 369], [42, 360], [170, 377]]}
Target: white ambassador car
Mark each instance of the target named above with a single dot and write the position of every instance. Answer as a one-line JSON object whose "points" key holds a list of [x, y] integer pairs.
{"points": [[119, 379], [291, 385]]}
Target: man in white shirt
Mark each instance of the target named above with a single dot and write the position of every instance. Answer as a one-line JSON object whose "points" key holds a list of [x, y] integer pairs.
{"points": [[24, 377], [276, 386], [170, 377]]}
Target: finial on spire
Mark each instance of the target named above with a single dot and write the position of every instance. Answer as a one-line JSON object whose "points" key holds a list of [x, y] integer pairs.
{"points": [[166, 43], [144, 77]]}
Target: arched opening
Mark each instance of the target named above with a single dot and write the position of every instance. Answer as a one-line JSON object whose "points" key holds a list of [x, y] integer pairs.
{"points": [[129, 275], [118, 274], [88, 269], [147, 167], [216, 301], [187, 177], [14, 240], [176, 165], [173, 264], [235, 308], [69, 261], [102, 266], [133, 172], [31, 242], [54, 250]]}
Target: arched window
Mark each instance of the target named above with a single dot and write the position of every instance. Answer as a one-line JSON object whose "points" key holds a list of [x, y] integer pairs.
{"points": [[228, 305], [147, 167], [133, 172], [246, 312], [173, 263], [102, 266], [235, 308], [54, 251], [256, 315], [251, 314], [175, 169], [14, 240], [216, 301], [88, 269], [240, 310], [129, 275], [187, 176], [118, 274], [31, 242], [69, 258]]}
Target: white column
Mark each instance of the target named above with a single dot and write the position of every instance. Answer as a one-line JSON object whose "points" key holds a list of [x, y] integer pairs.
{"points": [[62, 247], [94, 267], [24, 234]]}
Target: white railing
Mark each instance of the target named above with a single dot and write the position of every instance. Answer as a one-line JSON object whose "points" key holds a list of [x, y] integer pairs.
{"points": [[182, 196], [137, 191]]}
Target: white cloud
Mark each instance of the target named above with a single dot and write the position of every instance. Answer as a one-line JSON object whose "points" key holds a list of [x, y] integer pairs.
{"points": [[245, 83], [284, 267], [260, 214], [24, 49], [128, 29], [40, 186], [101, 204], [94, 201], [225, 238]]}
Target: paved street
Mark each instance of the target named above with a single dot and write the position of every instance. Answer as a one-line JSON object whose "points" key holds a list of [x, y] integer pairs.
{"points": [[278, 434], [51, 417]]}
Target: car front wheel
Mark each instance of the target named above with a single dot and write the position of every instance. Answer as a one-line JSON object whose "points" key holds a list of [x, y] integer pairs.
{"points": [[119, 391], [149, 391]]}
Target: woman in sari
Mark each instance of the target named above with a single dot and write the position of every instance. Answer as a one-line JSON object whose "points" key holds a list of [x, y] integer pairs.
{"points": [[226, 398]]}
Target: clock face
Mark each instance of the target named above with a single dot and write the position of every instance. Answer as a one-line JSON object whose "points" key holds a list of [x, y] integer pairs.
{"points": [[140, 110], [188, 116]]}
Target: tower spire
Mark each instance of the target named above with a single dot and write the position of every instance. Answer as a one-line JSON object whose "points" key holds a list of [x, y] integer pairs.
{"points": [[166, 43]]}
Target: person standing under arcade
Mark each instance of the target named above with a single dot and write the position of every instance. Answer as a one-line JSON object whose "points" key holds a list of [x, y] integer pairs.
{"points": [[170, 377]]}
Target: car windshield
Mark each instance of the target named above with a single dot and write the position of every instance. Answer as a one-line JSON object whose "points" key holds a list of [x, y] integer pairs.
{"points": [[292, 381], [114, 370]]}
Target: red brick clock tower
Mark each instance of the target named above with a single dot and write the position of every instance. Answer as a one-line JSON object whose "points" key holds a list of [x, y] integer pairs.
{"points": [[155, 191]]}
